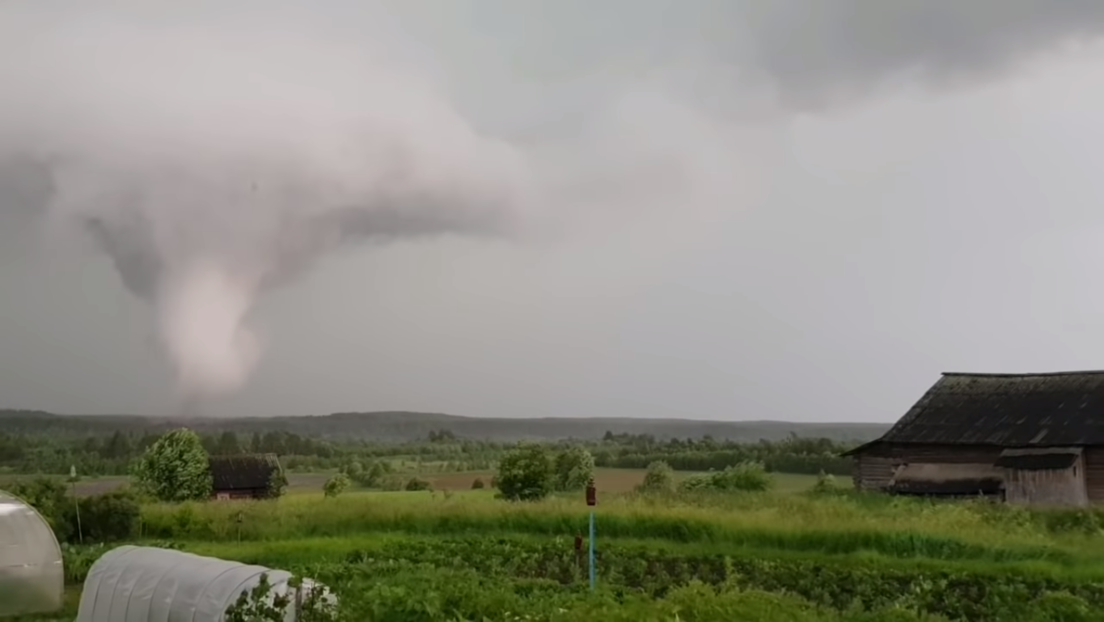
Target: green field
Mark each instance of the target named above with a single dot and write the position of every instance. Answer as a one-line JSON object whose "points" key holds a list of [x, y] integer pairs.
{"points": [[789, 554]]}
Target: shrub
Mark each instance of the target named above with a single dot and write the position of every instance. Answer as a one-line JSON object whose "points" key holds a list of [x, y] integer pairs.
{"points": [[48, 496], [525, 473], [746, 476], [478, 484], [659, 478], [417, 484], [336, 485], [109, 517], [277, 484], [391, 483], [574, 468]]}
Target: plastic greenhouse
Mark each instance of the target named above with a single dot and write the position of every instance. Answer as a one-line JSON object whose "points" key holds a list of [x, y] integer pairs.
{"points": [[31, 576], [147, 584]]}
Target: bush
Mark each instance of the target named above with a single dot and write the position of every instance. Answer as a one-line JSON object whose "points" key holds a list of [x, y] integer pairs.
{"points": [[746, 476], [277, 484], [478, 484], [526, 473], [659, 478], [336, 485], [109, 517], [50, 497], [417, 484], [391, 483], [574, 468]]}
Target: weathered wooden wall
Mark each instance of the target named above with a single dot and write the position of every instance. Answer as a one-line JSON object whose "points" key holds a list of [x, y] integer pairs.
{"points": [[873, 468], [1094, 473], [1056, 485], [1046, 488]]}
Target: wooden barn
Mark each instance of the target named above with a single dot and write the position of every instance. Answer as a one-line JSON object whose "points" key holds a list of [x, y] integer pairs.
{"points": [[1030, 439], [246, 476]]}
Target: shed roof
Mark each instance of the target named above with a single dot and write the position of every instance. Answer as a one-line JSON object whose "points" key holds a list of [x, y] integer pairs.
{"points": [[1007, 410], [242, 472]]}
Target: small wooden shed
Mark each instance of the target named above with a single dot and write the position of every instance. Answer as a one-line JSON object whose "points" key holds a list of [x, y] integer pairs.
{"points": [[245, 476]]}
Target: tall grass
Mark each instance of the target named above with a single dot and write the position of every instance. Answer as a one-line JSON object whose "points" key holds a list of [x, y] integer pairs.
{"points": [[835, 524]]}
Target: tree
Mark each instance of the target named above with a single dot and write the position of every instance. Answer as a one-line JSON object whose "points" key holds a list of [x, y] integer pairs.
{"points": [[658, 478], [574, 468], [277, 484], [227, 444], [175, 468], [526, 473], [336, 485]]}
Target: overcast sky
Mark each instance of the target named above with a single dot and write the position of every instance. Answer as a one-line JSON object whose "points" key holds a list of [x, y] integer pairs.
{"points": [[746, 209]]}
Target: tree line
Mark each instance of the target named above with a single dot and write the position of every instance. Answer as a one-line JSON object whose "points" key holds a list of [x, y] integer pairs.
{"points": [[115, 452]]}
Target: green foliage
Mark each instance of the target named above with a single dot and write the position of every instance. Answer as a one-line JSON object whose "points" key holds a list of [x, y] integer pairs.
{"points": [[526, 473], [277, 484], [336, 485], [477, 484], [371, 477], [175, 468], [658, 478], [50, 497], [415, 483], [261, 604], [110, 517], [746, 477], [574, 467]]}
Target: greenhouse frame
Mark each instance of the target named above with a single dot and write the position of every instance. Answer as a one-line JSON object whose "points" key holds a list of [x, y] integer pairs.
{"points": [[32, 579]]}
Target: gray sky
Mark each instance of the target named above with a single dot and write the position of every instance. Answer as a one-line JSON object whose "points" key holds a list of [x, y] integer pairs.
{"points": [[720, 209]]}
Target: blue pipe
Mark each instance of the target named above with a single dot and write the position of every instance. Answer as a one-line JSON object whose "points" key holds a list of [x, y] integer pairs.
{"points": [[592, 568]]}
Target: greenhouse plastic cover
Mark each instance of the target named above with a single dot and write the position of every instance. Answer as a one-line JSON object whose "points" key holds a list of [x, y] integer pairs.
{"points": [[148, 584], [31, 575]]}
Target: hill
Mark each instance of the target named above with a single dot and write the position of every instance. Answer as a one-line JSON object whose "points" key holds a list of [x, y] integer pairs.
{"points": [[407, 426]]}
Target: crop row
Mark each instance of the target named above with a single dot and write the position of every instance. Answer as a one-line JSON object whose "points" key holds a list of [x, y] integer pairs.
{"points": [[261, 521]]}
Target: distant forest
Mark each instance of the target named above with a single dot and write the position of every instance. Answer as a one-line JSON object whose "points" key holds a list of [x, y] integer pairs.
{"points": [[398, 427], [45, 443]]}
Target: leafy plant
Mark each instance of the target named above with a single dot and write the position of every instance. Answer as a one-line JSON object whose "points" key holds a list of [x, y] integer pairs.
{"points": [[415, 483], [746, 476], [526, 473], [336, 485], [277, 484], [175, 468], [658, 478], [574, 467], [260, 604]]}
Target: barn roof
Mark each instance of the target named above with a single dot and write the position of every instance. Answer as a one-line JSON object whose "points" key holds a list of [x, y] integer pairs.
{"points": [[242, 472], [1006, 410]]}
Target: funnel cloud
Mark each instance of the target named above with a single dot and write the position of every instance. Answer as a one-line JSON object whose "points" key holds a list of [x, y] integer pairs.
{"points": [[216, 152], [212, 165]]}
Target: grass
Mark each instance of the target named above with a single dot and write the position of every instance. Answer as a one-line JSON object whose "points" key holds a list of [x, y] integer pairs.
{"points": [[788, 554]]}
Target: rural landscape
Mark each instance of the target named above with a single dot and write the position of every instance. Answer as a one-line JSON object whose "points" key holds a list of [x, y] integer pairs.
{"points": [[755, 521]]}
